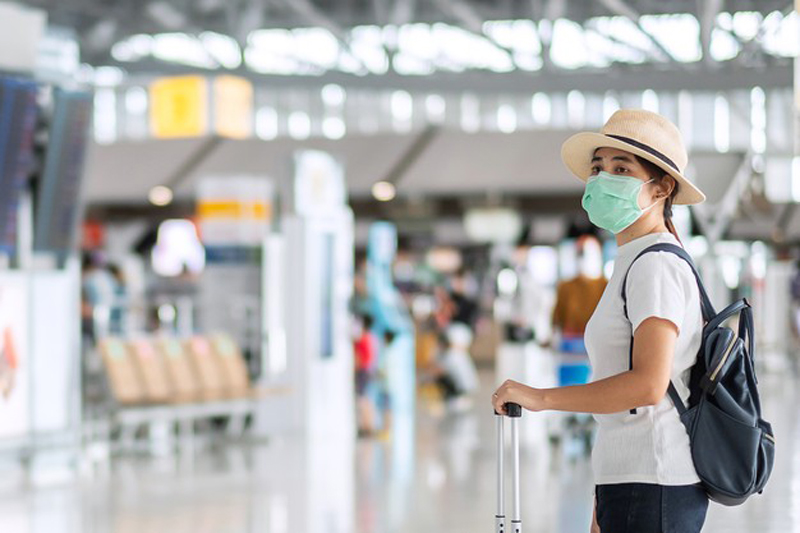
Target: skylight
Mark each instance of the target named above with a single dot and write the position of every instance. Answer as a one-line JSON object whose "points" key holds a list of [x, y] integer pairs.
{"points": [[420, 49]]}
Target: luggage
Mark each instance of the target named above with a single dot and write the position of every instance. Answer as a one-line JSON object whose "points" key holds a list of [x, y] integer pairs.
{"points": [[514, 413]]}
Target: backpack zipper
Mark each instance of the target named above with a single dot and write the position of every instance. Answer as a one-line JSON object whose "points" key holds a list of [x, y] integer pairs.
{"points": [[724, 358]]}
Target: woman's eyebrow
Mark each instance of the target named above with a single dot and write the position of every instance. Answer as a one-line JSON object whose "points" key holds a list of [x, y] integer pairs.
{"points": [[624, 158]]}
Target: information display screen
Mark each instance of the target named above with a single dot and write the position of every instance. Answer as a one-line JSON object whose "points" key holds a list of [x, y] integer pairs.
{"points": [[18, 113], [59, 196]]}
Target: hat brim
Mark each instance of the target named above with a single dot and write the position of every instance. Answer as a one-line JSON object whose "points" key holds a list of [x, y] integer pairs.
{"points": [[578, 150]]}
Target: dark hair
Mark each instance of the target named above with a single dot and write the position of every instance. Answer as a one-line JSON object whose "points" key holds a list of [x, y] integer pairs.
{"points": [[659, 174], [115, 270], [367, 321], [91, 260]]}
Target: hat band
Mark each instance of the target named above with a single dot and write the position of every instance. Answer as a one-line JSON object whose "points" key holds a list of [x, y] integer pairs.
{"points": [[649, 150]]}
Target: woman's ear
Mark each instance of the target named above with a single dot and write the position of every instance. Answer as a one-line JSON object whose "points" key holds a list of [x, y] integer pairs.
{"points": [[666, 186]]}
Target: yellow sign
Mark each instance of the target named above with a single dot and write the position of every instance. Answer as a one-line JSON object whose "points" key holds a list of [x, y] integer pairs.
{"points": [[234, 209], [179, 107], [233, 107]]}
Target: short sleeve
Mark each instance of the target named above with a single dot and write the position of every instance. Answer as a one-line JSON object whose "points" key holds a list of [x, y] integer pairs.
{"points": [[658, 286]]}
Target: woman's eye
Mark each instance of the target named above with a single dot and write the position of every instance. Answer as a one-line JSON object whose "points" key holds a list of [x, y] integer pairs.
{"points": [[595, 171], [620, 170]]}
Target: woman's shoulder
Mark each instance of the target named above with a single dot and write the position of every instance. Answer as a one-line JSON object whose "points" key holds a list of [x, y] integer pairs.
{"points": [[660, 267]]}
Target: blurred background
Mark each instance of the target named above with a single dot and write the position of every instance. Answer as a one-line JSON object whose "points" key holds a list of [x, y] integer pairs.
{"points": [[262, 262]]}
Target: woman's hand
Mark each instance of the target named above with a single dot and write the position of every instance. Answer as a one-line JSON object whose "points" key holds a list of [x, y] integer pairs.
{"points": [[514, 392]]}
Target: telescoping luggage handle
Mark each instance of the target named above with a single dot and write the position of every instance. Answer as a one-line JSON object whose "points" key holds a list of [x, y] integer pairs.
{"points": [[514, 412]]}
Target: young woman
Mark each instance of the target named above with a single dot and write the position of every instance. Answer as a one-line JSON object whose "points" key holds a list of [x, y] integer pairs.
{"points": [[645, 478]]}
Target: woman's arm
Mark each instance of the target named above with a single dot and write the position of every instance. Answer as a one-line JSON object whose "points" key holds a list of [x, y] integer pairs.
{"points": [[646, 384]]}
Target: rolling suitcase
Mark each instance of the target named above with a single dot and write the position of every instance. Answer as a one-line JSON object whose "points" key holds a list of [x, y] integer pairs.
{"points": [[514, 413]]}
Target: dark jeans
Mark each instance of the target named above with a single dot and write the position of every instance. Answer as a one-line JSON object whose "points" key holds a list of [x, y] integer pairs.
{"points": [[362, 380], [645, 508]]}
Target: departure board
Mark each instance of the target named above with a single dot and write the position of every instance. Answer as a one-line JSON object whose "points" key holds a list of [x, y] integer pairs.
{"points": [[18, 112], [58, 203]]}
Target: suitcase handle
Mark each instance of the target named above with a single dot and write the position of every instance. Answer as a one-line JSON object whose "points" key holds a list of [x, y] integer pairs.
{"points": [[514, 412]]}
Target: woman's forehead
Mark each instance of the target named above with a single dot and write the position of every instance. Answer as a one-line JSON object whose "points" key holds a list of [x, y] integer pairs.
{"points": [[612, 153]]}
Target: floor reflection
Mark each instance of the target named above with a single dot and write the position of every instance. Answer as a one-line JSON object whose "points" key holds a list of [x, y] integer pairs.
{"points": [[435, 473]]}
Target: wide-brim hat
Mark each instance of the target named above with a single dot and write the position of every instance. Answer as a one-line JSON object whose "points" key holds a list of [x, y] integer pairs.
{"points": [[639, 132]]}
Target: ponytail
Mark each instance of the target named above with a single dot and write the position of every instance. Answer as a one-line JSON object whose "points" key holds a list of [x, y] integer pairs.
{"points": [[668, 212], [658, 174], [671, 228]]}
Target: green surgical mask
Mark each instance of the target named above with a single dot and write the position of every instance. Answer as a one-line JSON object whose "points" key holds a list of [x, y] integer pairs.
{"points": [[612, 202]]}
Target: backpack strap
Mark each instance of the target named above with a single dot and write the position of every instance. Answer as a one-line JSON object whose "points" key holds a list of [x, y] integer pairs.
{"points": [[706, 305], [708, 309], [676, 399]]}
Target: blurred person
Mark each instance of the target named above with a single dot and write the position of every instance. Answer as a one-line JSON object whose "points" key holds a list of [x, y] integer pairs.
{"points": [[359, 303], [455, 371], [464, 307], [577, 298], [98, 294], [384, 397], [794, 311], [365, 348], [117, 315], [426, 342], [795, 291], [532, 302], [444, 308], [643, 468]]}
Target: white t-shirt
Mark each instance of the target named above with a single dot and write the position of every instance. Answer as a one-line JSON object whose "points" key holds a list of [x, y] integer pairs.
{"points": [[650, 446]]}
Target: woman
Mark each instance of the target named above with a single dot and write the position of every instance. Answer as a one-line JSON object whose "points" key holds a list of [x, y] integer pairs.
{"points": [[646, 481]]}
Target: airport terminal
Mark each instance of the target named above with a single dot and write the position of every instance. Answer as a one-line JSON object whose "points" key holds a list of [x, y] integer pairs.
{"points": [[395, 266]]}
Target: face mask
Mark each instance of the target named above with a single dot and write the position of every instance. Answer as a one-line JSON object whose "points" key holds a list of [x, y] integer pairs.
{"points": [[612, 202]]}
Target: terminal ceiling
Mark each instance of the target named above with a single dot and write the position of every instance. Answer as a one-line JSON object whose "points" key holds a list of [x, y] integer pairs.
{"points": [[105, 28], [99, 26]]}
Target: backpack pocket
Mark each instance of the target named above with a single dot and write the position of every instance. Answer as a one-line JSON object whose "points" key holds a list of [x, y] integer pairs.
{"points": [[766, 455], [729, 466]]}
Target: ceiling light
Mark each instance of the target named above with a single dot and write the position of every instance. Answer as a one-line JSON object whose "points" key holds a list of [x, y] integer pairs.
{"points": [[506, 119], [267, 123], [299, 125], [384, 191], [435, 107], [334, 128], [333, 95], [160, 195]]}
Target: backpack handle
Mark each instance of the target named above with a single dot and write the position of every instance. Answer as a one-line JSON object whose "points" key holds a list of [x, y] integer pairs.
{"points": [[746, 328], [736, 307]]}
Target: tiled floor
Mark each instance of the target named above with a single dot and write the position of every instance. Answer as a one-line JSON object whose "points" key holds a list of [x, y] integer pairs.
{"points": [[436, 477]]}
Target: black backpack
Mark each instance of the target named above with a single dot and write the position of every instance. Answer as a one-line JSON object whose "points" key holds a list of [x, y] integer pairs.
{"points": [[733, 448]]}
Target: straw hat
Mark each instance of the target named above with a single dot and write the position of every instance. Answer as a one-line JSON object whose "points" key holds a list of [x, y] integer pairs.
{"points": [[642, 133]]}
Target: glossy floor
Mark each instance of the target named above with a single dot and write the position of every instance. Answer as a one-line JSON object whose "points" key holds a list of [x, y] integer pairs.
{"points": [[435, 475]]}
